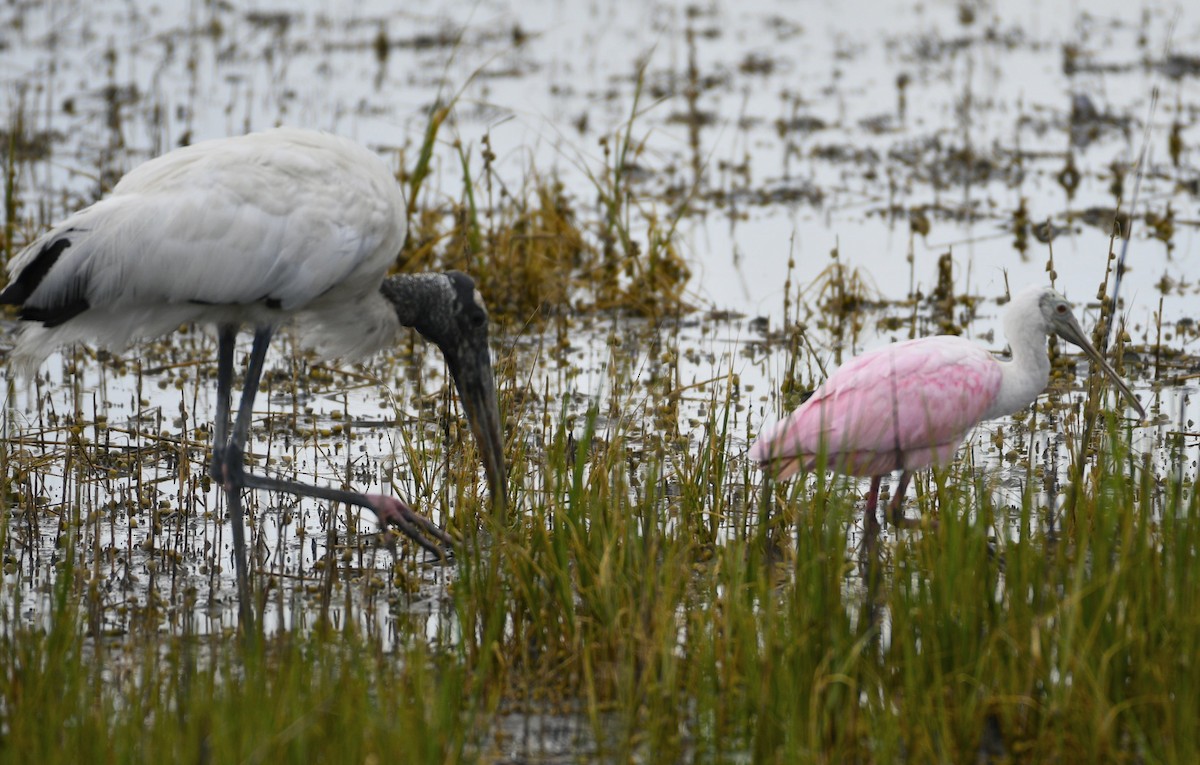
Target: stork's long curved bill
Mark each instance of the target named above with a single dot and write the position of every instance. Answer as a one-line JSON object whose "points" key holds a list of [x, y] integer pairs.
{"points": [[477, 389], [1067, 327]]}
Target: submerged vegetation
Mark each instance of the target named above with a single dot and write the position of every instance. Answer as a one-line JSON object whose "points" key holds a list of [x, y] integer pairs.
{"points": [[651, 598]]}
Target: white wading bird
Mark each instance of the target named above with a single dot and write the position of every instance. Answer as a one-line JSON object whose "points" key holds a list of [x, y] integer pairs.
{"points": [[257, 230]]}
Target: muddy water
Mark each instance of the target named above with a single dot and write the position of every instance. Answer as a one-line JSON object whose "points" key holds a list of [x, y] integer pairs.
{"points": [[900, 136]]}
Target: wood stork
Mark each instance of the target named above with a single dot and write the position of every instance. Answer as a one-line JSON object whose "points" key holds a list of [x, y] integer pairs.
{"points": [[281, 225]]}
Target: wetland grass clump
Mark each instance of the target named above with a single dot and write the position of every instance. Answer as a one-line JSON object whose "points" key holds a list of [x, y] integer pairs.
{"points": [[989, 633], [538, 251], [540, 254], [323, 696]]}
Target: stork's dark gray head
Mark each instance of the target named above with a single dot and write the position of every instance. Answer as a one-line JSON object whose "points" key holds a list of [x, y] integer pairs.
{"points": [[448, 310]]}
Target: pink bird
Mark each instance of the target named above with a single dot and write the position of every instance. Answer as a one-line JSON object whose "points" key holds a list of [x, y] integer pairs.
{"points": [[910, 405]]}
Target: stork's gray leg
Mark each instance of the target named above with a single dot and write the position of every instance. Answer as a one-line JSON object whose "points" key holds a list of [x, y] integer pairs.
{"points": [[226, 344], [241, 428], [226, 341], [232, 467]]}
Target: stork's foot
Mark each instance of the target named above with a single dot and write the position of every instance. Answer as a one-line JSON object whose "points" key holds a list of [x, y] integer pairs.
{"points": [[392, 512]]}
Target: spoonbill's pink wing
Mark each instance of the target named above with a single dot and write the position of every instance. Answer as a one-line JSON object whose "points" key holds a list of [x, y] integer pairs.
{"points": [[904, 406]]}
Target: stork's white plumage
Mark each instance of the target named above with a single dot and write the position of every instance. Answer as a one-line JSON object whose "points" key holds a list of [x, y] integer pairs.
{"points": [[257, 230], [243, 230]]}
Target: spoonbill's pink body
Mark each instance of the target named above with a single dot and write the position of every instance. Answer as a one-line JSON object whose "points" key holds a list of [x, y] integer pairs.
{"points": [[909, 405]]}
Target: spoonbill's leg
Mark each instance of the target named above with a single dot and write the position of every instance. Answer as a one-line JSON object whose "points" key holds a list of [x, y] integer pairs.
{"points": [[896, 509], [868, 553], [870, 520]]}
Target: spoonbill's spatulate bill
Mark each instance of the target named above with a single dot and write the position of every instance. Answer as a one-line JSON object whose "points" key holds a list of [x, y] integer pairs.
{"points": [[909, 405], [254, 231]]}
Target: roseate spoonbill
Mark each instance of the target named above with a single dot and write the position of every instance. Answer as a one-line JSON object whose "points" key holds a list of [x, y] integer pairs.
{"points": [[910, 405], [256, 230]]}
